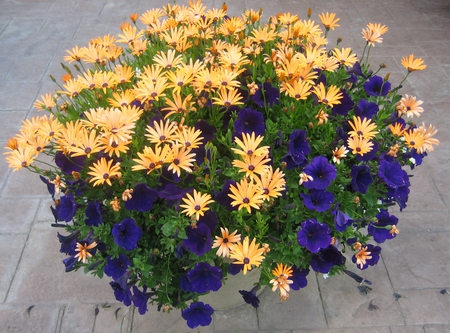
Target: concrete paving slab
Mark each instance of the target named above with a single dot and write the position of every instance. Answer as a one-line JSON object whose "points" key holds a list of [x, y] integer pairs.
{"points": [[437, 329], [407, 329], [302, 309], [12, 245], [344, 303], [27, 318], [13, 223], [425, 306], [40, 276], [409, 266], [243, 317]]}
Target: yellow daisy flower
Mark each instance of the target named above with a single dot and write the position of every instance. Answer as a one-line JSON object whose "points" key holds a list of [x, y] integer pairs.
{"points": [[412, 64], [362, 128], [196, 205], [103, 171], [331, 97], [329, 21], [359, 145], [246, 195], [247, 254], [249, 145]]}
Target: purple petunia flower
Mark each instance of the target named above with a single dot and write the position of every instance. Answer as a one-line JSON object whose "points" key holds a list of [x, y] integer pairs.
{"points": [[142, 198], [68, 243], [376, 86], [116, 267], [367, 256], [366, 109], [140, 299], [299, 278], [204, 277], [69, 263], [293, 161], [122, 291], [341, 220], [198, 314], [345, 106], [198, 239], [323, 173], [361, 178], [392, 174], [399, 195], [210, 219], [298, 144], [185, 284], [50, 186], [250, 296], [127, 234], [323, 261], [248, 121], [314, 235], [223, 198], [380, 230], [266, 95], [234, 269], [66, 208], [69, 164], [93, 214], [355, 69], [318, 200], [173, 193]]}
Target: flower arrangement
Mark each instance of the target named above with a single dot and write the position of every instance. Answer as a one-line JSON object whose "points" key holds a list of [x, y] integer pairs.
{"points": [[202, 146]]}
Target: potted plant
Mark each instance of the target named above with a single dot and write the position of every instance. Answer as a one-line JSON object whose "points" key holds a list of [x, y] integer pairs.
{"points": [[195, 146]]}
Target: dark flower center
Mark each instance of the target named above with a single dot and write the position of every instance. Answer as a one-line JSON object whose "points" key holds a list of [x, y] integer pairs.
{"points": [[152, 165], [246, 261], [251, 167], [246, 200], [360, 133], [266, 191], [197, 207], [225, 240], [162, 138], [105, 175], [412, 143], [176, 161], [87, 150], [114, 144]]}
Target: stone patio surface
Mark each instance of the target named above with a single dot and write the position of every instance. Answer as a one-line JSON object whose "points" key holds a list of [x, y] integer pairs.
{"points": [[409, 283]]}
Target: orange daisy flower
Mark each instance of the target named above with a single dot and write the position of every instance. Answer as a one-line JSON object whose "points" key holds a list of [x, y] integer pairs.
{"points": [[103, 171], [412, 64], [197, 204], [409, 106], [247, 254], [246, 195], [225, 243]]}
